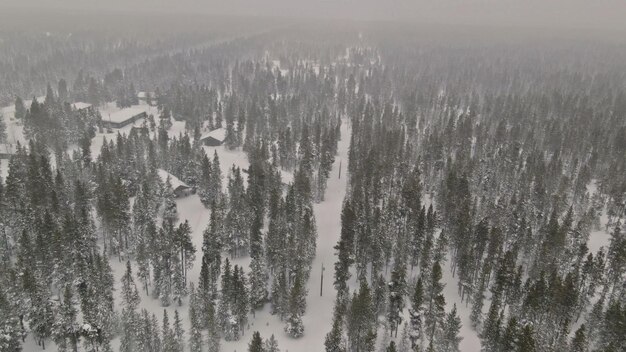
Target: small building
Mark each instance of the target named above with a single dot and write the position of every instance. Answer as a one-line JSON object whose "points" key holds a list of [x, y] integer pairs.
{"points": [[81, 106], [123, 117], [148, 97], [179, 188], [214, 138]]}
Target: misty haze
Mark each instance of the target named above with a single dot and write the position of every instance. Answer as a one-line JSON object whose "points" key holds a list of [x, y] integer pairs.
{"points": [[313, 176]]}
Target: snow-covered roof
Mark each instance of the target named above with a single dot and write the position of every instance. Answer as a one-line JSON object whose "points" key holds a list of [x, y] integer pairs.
{"points": [[174, 181], [286, 176], [218, 134], [80, 105], [144, 95], [123, 115]]}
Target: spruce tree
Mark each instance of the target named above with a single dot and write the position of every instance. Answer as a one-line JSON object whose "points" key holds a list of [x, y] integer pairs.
{"points": [[579, 341], [195, 330], [130, 301], [271, 345], [256, 343], [334, 339], [450, 338], [297, 305]]}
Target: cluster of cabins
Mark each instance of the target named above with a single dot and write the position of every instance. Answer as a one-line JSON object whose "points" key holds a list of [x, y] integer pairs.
{"points": [[129, 116]]}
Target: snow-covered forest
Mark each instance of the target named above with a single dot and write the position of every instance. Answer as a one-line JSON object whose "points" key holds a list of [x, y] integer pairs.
{"points": [[265, 185]]}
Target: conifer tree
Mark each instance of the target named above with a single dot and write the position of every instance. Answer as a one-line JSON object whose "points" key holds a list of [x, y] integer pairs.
{"points": [[179, 333], [579, 341], [66, 331], [361, 318], [397, 290], [297, 305], [415, 314], [256, 344], [130, 301], [195, 330], [450, 338], [334, 339], [434, 313], [271, 345]]}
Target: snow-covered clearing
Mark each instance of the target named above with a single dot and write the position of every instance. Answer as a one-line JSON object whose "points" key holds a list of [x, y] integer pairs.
{"points": [[601, 237], [15, 128], [15, 131]]}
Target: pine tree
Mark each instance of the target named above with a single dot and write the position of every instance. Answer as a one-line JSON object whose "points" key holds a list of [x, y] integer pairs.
{"points": [[405, 341], [526, 341], [20, 109], [186, 249], [345, 249], [241, 300], [450, 338], [361, 318], [492, 327], [256, 344], [10, 331], [397, 290], [415, 314], [41, 317], [435, 313], [509, 337], [297, 305], [334, 339], [130, 301], [271, 345], [579, 341], [476, 316], [195, 331], [612, 328], [65, 331], [169, 339], [258, 283], [170, 214], [179, 333], [3, 129]]}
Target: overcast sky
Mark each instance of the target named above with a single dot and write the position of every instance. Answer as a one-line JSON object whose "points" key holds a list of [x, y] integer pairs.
{"points": [[551, 13]]}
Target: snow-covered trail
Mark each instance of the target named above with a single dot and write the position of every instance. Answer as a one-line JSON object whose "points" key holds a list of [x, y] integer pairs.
{"points": [[319, 312]]}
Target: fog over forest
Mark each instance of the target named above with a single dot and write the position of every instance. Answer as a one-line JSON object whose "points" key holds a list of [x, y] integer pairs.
{"points": [[544, 13], [312, 176]]}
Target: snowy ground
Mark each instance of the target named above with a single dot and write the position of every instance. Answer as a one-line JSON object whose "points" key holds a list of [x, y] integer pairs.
{"points": [[598, 238]]}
